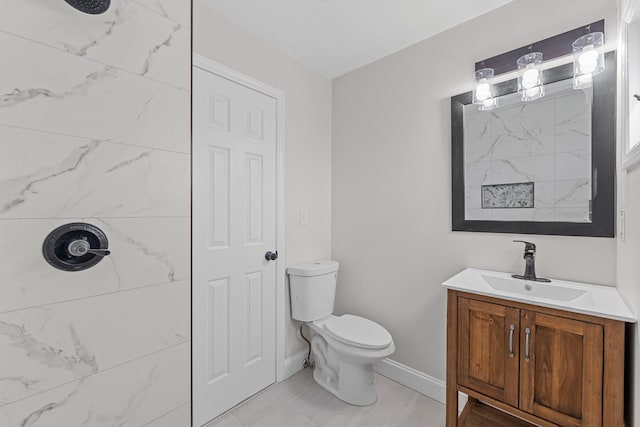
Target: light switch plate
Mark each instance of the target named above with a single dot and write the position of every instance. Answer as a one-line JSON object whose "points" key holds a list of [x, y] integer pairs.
{"points": [[304, 216]]}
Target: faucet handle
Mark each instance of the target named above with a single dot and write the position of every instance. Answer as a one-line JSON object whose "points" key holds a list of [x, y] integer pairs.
{"points": [[528, 246]]}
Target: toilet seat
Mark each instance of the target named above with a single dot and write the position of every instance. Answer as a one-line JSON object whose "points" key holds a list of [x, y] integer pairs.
{"points": [[358, 332]]}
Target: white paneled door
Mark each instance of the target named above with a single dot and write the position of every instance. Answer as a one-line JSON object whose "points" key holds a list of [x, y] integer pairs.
{"points": [[234, 226]]}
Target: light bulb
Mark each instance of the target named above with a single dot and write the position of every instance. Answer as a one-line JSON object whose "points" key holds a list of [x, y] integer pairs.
{"points": [[530, 83], [533, 92], [483, 91], [585, 80], [530, 78], [588, 61], [488, 103]]}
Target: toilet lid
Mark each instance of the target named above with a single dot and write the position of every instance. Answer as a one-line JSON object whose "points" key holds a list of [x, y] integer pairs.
{"points": [[358, 331]]}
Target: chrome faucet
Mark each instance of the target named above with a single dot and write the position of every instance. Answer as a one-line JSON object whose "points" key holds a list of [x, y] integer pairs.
{"points": [[530, 267]]}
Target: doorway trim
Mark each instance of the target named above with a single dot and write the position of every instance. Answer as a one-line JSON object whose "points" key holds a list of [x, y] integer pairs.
{"points": [[225, 72]]}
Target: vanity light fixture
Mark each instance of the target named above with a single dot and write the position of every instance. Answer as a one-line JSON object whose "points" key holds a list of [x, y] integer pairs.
{"points": [[483, 89], [588, 59], [530, 76]]}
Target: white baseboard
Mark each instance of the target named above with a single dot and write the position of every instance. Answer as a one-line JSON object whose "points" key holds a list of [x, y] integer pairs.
{"points": [[425, 384], [293, 365]]}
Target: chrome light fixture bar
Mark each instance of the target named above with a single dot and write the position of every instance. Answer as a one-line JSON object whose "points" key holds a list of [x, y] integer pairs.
{"points": [[585, 43]]}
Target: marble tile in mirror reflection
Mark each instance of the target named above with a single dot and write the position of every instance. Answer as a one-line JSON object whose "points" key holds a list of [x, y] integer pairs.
{"points": [[545, 142]]}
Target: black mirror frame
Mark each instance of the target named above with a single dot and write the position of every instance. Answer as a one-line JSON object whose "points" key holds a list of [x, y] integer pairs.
{"points": [[603, 161]]}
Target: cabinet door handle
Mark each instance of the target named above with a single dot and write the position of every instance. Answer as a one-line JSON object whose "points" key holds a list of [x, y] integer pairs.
{"points": [[527, 334], [512, 328]]}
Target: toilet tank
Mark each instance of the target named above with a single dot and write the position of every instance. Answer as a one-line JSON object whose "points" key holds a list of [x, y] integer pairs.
{"points": [[313, 289]]}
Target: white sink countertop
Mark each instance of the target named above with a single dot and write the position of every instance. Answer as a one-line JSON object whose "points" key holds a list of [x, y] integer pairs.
{"points": [[594, 300]]}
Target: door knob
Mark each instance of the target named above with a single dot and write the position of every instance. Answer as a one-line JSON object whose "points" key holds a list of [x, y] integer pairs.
{"points": [[271, 256]]}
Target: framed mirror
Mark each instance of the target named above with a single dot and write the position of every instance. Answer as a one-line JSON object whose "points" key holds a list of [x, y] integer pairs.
{"points": [[538, 167]]}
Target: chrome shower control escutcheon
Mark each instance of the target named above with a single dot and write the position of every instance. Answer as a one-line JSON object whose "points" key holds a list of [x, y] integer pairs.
{"points": [[75, 247]]}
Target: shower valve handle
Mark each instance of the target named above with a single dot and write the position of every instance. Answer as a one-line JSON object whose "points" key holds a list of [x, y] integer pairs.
{"points": [[99, 252], [81, 247]]}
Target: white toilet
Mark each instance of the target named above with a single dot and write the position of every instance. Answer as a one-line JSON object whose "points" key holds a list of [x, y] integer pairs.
{"points": [[344, 347]]}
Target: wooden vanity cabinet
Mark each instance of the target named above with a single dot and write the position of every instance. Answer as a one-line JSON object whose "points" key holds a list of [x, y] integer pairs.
{"points": [[488, 351], [561, 380], [546, 366]]}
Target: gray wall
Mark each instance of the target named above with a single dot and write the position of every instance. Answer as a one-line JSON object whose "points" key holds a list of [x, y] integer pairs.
{"points": [[307, 133], [94, 126], [628, 249], [629, 279], [391, 180]]}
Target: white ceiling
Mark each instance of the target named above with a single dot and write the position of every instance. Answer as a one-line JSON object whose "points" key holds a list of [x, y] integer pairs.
{"points": [[334, 37]]}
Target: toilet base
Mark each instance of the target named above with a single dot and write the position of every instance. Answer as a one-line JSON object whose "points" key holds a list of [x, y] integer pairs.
{"points": [[350, 382], [356, 387]]}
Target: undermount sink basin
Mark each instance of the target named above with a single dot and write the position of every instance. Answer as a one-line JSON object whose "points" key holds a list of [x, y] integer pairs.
{"points": [[533, 289], [585, 298]]}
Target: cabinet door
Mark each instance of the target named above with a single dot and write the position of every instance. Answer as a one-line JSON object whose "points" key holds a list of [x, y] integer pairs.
{"points": [[488, 336], [561, 370]]}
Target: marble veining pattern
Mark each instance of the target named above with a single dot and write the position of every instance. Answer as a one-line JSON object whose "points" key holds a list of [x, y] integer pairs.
{"points": [[573, 193], [100, 37], [79, 362], [54, 176], [131, 394], [95, 127], [545, 142], [170, 9], [18, 96], [45, 346], [78, 97]]}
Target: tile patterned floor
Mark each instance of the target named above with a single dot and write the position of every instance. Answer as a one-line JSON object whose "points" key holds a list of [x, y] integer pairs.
{"points": [[300, 402]]}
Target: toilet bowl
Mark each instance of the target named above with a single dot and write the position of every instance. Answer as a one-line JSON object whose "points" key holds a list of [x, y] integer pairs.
{"points": [[345, 347]]}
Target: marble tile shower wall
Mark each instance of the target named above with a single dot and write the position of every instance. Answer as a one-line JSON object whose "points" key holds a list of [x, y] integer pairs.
{"points": [[547, 142], [94, 126]]}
